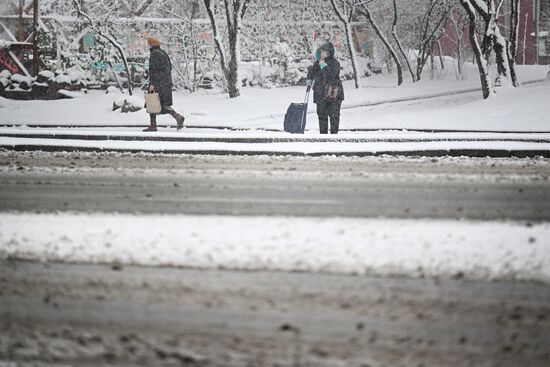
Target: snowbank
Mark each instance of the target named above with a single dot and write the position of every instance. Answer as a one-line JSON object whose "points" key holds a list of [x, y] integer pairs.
{"points": [[285, 148], [417, 248]]}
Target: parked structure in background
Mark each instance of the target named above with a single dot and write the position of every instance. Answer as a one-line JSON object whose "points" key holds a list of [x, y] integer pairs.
{"points": [[533, 32]]}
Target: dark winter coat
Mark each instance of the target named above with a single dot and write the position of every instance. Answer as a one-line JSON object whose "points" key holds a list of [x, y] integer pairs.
{"points": [[160, 75], [329, 74]]}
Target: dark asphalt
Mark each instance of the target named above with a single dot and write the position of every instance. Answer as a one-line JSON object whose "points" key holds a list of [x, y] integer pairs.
{"points": [[91, 315], [128, 316], [357, 187]]}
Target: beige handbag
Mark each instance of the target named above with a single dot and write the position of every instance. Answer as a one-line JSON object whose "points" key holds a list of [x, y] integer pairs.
{"points": [[152, 103]]}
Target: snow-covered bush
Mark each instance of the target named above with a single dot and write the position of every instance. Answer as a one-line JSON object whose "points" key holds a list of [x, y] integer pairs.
{"points": [[24, 82], [286, 70], [127, 103], [63, 79], [113, 90], [46, 75]]}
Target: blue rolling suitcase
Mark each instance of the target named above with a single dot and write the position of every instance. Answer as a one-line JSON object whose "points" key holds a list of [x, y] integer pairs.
{"points": [[295, 118]]}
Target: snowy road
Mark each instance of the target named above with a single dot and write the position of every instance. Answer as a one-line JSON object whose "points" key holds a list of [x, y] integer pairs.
{"points": [[373, 187], [436, 308], [129, 316]]}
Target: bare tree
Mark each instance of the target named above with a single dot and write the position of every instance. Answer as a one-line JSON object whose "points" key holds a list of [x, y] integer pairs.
{"points": [[135, 8], [22, 8], [235, 11], [194, 60], [104, 33], [363, 9], [480, 60], [428, 29], [524, 41], [459, 22], [493, 39], [398, 41], [345, 10]]}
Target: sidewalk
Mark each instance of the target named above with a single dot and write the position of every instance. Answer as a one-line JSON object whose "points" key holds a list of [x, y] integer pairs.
{"points": [[430, 118]]}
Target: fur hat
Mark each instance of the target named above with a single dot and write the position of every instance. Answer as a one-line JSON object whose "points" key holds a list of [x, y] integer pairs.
{"points": [[153, 42]]}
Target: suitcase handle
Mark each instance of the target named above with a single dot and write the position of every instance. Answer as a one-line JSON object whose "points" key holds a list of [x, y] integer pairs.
{"points": [[302, 123]]}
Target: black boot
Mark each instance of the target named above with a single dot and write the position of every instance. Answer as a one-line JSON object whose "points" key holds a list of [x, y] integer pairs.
{"points": [[334, 124], [180, 119], [323, 125], [152, 124]]}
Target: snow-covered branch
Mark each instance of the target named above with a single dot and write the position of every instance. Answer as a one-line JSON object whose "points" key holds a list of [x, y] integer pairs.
{"points": [[345, 15], [481, 62], [364, 10], [106, 36]]}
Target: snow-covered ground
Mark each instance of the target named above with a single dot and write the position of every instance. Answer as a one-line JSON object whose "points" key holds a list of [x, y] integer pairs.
{"points": [[392, 114], [524, 109], [469, 249]]}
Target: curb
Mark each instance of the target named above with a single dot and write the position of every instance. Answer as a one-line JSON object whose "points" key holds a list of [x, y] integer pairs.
{"points": [[472, 153], [262, 140]]}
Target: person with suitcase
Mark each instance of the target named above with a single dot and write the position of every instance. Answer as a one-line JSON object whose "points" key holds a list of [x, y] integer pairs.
{"points": [[328, 92], [160, 81]]}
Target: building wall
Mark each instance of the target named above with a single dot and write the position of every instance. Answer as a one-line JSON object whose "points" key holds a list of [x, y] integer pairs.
{"points": [[526, 40]]}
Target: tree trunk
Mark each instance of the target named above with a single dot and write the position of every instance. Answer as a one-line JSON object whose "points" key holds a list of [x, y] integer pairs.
{"points": [[524, 49], [398, 41], [21, 23], [349, 39], [234, 13], [513, 44], [233, 81], [459, 32], [480, 60], [35, 56], [365, 11], [440, 54], [353, 54], [493, 39]]}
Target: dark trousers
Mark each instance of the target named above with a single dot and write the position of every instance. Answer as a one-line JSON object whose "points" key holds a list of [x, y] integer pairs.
{"points": [[326, 109], [165, 110]]}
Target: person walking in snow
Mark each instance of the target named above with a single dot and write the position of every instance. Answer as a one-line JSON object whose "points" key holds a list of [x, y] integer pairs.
{"points": [[160, 81], [328, 92]]}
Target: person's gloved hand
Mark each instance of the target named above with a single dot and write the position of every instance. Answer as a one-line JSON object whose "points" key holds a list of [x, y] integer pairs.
{"points": [[151, 88]]}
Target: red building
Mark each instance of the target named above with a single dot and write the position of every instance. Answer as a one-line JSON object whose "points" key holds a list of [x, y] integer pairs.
{"points": [[532, 12]]}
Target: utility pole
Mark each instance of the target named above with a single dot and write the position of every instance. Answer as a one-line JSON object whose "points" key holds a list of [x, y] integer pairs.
{"points": [[537, 22], [35, 58]]}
